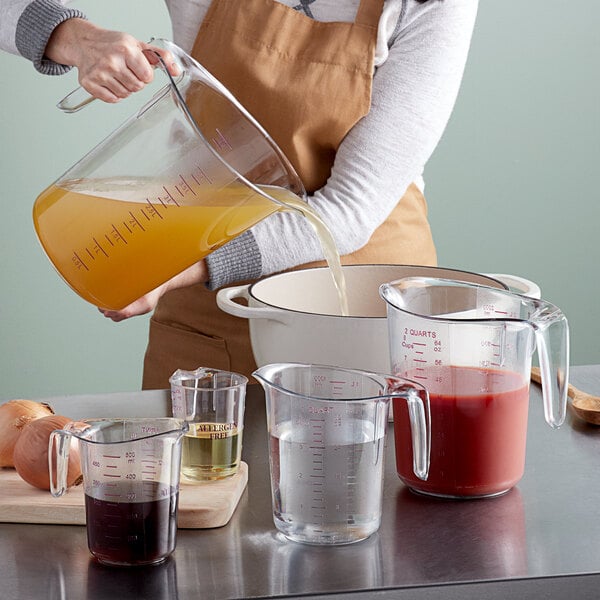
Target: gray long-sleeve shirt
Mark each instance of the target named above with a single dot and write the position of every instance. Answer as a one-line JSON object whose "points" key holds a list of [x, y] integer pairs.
{"points": [[421, 52]]}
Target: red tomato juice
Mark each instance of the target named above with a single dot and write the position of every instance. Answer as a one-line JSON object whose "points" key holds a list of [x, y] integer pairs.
{"points": [[478, 432]]}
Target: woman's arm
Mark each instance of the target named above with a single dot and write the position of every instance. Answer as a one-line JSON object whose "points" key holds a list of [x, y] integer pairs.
{"points": [[111, 64], [414, 92]]}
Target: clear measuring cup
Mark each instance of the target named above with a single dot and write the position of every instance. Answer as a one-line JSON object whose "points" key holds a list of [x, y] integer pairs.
{"points": [[326, 429], [471, 346], [212, 403], [130, 473], [188, 172]]}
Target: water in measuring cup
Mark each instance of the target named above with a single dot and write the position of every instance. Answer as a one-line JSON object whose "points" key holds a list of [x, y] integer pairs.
{"points": [[327, 493], [114, 240]]}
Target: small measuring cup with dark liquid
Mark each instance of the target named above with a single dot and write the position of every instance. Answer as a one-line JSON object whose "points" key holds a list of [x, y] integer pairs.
{"points": [[130, 473]]}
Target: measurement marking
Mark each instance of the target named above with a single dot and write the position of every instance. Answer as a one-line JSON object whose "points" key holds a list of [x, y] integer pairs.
{"points": [[153, 208], [221, 141], [79, 259], [420, 377], [111, 466], [317, 476], [419, 344], [108, 239], [135, 219], [170, 196], [118, 233], [110, 456], [100, 247], [90, 254], [111, 475], [127, 227], [203, 174], [420, 360], [187, 184], [501, 312]]}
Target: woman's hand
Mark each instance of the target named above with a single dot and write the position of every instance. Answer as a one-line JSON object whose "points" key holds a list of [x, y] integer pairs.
{"points": [[197, 273], [111, 64]]}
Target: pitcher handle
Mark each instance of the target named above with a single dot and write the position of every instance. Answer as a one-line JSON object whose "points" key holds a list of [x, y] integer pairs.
{"points": [[79, 97], [419, 412], [58, 451], [552, 340]]}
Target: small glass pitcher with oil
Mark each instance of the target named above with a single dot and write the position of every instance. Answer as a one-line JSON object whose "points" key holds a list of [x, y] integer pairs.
{"points": [[212, 403], [188, 172]]}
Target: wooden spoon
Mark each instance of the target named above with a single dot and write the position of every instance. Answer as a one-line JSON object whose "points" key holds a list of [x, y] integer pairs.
{"points": [[585, 405]]}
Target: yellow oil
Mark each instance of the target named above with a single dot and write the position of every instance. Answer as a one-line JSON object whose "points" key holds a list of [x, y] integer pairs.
{"points": [[210, 451], [113, 241]]}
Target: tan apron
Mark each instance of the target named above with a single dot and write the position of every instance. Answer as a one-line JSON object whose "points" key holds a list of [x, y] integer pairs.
{"points": [[307, 82]]}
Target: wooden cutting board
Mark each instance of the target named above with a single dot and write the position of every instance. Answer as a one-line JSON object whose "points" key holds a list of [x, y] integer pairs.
{"points": [[201, 506]]}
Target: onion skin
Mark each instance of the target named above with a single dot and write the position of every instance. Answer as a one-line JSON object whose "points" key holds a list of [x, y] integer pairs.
{"points": [[14, 416], [31, 453]]}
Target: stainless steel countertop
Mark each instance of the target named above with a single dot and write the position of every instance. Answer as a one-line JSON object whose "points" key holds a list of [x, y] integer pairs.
{"points": [[542, 539]]}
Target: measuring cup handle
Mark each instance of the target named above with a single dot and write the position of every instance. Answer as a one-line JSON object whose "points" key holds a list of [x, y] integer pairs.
{"points": [[419, 413], [58, 461], [79, 97], [552, 341]]}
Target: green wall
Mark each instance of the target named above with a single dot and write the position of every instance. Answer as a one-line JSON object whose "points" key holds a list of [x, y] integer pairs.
{"points": [[512, 188]]}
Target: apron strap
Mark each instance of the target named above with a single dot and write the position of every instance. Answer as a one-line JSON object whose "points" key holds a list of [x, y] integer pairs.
{"points": [[368, 13]]}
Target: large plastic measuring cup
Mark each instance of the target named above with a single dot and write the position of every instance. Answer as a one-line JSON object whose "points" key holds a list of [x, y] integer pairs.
{"points": [[130, 473], [471, 346], [188, 172], [327, 428]]}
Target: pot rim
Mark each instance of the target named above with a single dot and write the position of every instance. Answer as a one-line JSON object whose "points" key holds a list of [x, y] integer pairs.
{"points": [[252, 291]]}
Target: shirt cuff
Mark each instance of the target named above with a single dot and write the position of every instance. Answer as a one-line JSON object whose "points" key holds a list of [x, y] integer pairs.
{"points": [[34, 28], [239, 260]]}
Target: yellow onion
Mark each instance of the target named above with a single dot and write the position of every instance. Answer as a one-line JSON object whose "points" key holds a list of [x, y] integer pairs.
{"points": [[14, 416], [31, 453]]}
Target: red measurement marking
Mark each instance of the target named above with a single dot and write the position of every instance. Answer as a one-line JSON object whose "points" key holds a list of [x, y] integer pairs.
{"points": [[170, 196], [419, 344], [135, 219], [203, 176], [81, 262], [100, 247], [110, 475], [110, 456], [118, 233], [187, 184], [221, 140]]}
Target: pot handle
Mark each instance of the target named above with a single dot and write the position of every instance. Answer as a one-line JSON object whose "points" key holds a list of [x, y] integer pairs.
{"points": [[225, 301]]}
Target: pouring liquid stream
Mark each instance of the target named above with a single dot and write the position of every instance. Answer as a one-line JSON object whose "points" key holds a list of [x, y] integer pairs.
{"points": [[114, 240]]}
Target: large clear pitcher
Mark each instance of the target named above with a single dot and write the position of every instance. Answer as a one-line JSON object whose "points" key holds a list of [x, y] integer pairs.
{"points": [[130, 473], [471, 346], [188, 172], [327, 430]]}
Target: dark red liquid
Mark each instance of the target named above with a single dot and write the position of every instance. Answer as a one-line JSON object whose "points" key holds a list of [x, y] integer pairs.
{"points": [[478, 432], [133, 533]]}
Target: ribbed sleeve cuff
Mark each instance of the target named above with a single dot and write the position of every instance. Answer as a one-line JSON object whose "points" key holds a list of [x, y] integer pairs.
{"points": [[239, 260], [34, 28]]}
